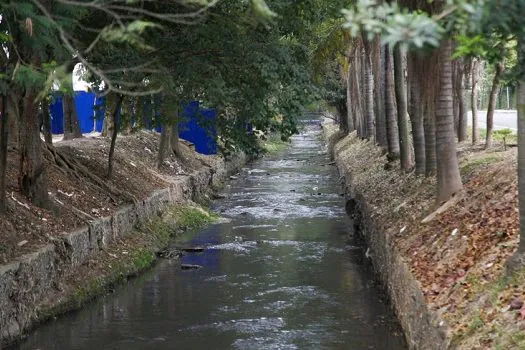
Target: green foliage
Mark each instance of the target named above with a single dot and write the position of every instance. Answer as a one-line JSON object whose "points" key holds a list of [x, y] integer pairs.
{"points": [[395, 25], [415, 29]]}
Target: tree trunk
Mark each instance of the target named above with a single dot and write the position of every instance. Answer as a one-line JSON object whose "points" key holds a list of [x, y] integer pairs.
{"points": [[462, 103], [369, 92], [358, 115], [402, 113], [392, 133], [3, 152], [164, 144], [343, 117], [517, 261], [430, 142], [46, 124], [521, 161], [455, 96], [416, 118], [349, 113], [448, 176], [32, 178], [379, 94], [71, 125], [116, 126], [500, 67], [175, 144], [474, 102]]}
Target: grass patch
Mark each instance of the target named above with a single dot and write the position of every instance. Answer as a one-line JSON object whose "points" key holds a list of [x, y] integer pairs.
{"points": [[472, 164], [510, 136], [191, 218]]}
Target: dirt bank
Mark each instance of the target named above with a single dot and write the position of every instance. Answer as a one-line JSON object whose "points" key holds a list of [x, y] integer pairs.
{"points": [[443, 269], [97, 231]]}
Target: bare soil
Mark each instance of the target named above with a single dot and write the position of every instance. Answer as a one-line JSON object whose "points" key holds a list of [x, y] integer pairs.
{"points": [[76, 198]]}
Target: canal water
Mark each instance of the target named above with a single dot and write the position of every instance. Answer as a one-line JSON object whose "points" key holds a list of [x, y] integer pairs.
{"points": [[284, 273]]}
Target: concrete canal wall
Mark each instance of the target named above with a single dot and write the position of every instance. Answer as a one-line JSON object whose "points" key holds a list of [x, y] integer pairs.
{"points": [[33, 278], [423, 327]]}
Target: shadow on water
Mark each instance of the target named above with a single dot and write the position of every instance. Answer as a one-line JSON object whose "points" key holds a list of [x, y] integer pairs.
{"points": [[283, 273]]}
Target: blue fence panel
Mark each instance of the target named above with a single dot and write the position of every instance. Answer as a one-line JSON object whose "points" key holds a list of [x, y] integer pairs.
{"points": [[100, 108], [198, 127], [57, 115], [85, 103]]}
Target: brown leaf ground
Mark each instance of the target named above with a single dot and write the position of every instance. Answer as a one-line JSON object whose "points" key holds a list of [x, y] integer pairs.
{"points": [[457, 257], [75, 197]]}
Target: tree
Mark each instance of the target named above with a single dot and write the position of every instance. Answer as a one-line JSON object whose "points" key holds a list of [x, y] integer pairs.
{"points": [[500, 68], [402, 109], [474, 99], [448, 176], [368, 90], [416, 114], [417, 30], [390, 108], [3, 151]]}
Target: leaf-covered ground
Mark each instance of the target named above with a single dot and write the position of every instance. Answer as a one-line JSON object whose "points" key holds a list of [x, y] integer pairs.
{"points": [[459, 252]]}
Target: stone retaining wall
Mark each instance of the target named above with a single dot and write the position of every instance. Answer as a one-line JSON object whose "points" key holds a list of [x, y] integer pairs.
{"points": [[423, 328], [26, 281]]}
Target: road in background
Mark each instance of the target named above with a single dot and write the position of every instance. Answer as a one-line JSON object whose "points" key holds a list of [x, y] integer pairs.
{"points": [[503, 119]]}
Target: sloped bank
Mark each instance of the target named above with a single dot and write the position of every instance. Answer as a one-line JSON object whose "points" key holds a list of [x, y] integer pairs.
{"points": [[423, 327], [89, 261]]}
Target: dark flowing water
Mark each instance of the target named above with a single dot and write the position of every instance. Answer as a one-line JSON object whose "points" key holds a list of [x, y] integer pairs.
{"points": [[285, 273]]}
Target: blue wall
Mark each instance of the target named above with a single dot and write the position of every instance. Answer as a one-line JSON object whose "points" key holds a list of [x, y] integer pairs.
{"points": [[84, 103], [197, 125], [57, 115]]}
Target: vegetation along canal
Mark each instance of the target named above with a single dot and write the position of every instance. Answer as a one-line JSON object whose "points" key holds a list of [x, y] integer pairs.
{"points": [[284, 273]]}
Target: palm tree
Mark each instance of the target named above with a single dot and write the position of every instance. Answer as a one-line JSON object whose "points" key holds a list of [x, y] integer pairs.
{"points": [[448, 176], [416, 114], [402, 111], [392, 133]]}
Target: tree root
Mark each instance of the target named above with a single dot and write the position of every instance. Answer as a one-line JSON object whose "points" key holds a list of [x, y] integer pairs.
{"points": [[73, 167]]}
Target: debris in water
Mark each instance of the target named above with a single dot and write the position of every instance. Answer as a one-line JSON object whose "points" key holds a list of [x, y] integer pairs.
{"points": [[196, 249], [190, 267]]}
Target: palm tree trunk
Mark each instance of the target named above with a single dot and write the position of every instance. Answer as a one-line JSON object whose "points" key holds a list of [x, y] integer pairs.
{"points": [[474, 102], [462, 104], [358, 98], [349, 107], [402, 112], [379, 94], [500, 67], [368, 91], [430, 142], [3, 152], [521, 161], [416, 119], [448, 176], [392, 133], [517, 261]]}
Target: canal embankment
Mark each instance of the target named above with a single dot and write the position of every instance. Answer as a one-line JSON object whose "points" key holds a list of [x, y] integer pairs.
{"points": [[442, 265], [281, 270], [88, 244]]}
